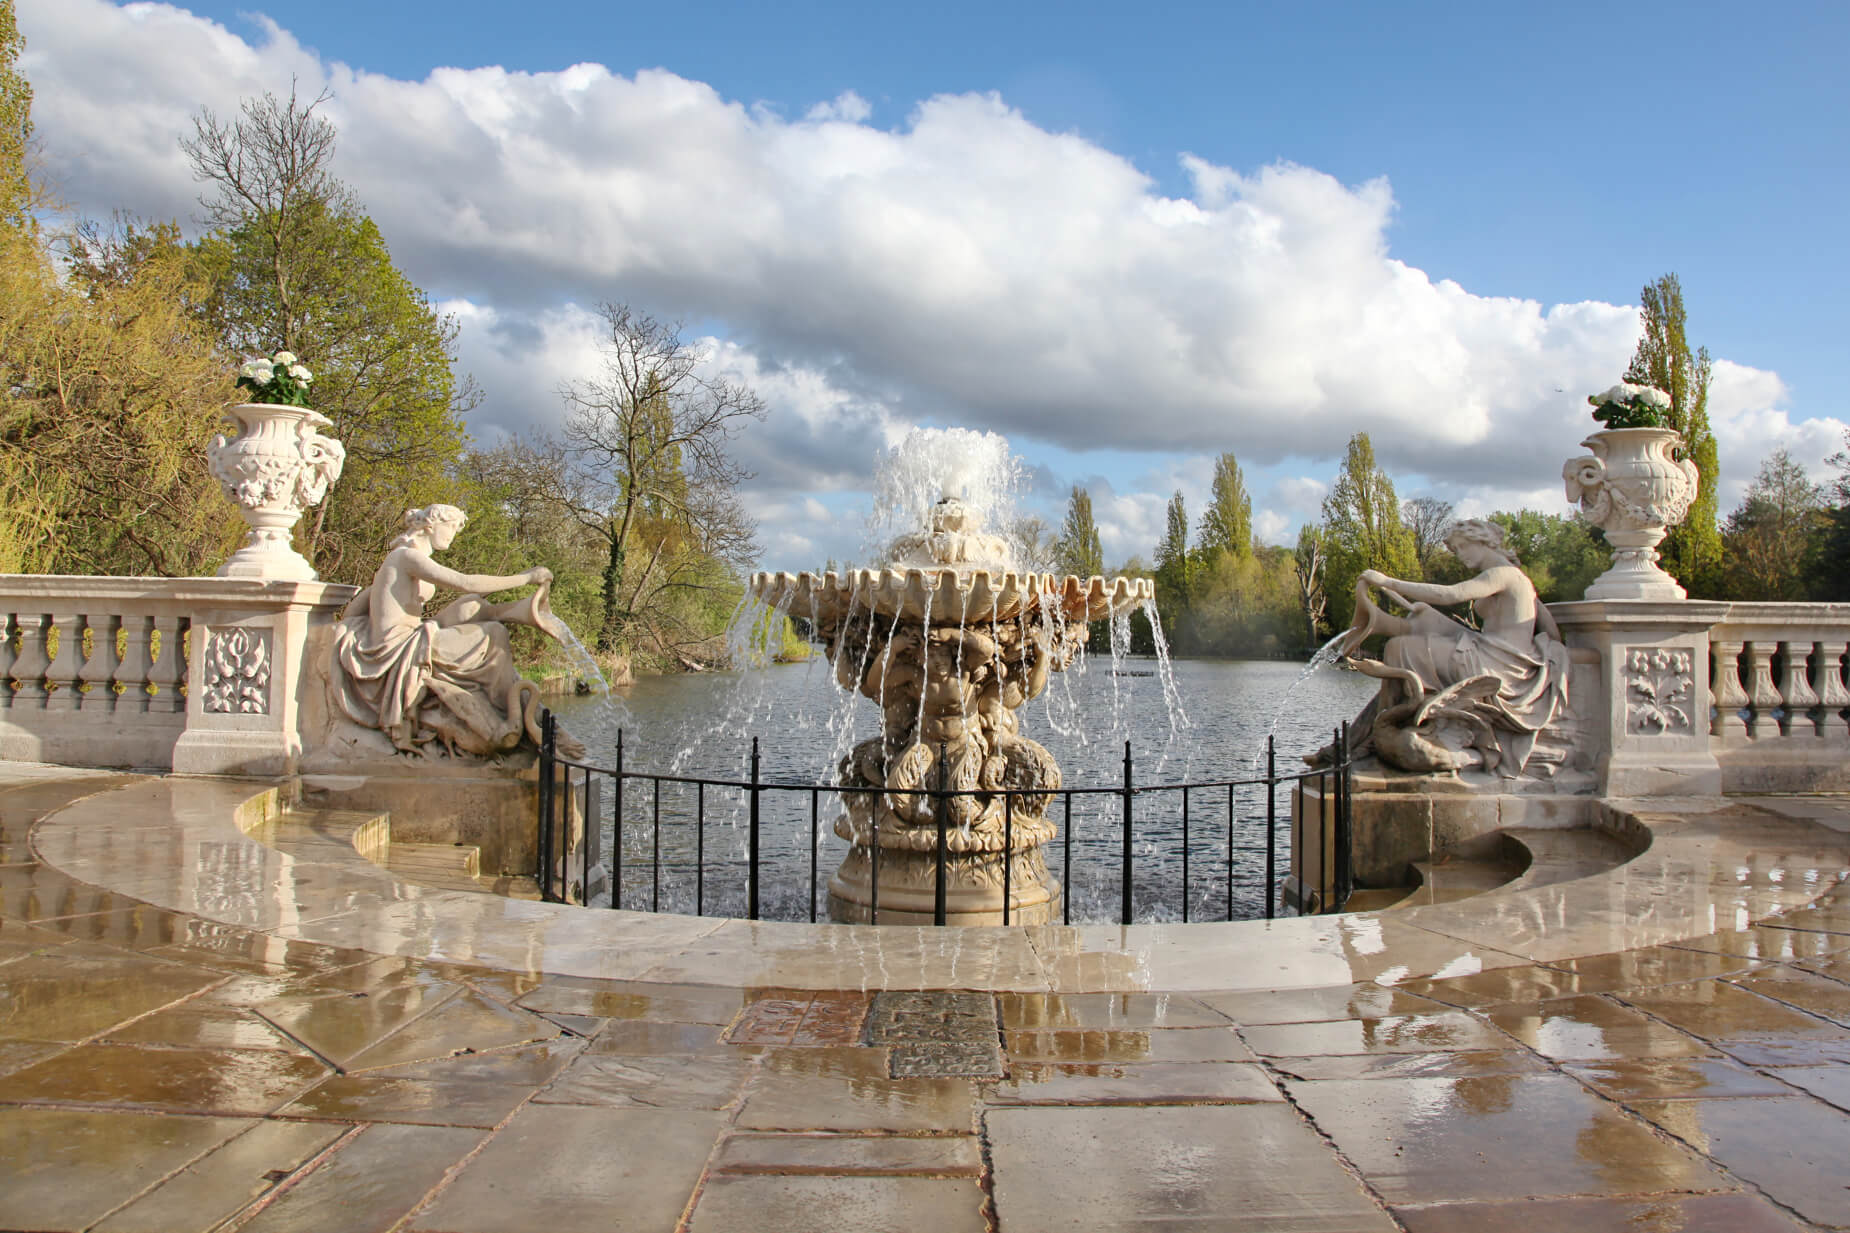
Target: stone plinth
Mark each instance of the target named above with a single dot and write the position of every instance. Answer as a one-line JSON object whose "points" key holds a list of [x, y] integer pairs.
{"points": [[1652, 731]]}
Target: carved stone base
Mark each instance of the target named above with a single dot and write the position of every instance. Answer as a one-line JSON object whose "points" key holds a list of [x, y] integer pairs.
{"points": [[1635, 573], [973, 888]]}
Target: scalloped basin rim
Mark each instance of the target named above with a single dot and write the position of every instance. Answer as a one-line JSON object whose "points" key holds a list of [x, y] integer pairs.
{"points": [[961, 592]]}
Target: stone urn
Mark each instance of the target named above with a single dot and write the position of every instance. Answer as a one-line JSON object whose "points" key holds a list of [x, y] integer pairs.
{"points": [[1634, 488], [276, 466]]}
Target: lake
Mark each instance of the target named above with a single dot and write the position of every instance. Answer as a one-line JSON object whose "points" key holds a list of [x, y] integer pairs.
{"points": [[702, 725]]}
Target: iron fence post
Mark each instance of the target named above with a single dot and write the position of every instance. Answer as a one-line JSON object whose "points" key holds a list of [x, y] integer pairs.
{"points": [[1008, 854], [655, 851], [1066, 863], [1185, 854], [1124, 911], [940, 897], [700, 849], [815, 842], [1345, 872], [1271, 825], [1230, 808], [542, 840], [616, 834], [751, 894]]}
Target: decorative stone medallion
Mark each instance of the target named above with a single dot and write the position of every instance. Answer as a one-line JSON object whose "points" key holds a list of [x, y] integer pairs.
{"points": [[237, 672], [1659, 685]]}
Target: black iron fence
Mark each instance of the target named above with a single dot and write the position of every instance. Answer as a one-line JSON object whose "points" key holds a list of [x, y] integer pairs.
{"points": [[1201, 850]]}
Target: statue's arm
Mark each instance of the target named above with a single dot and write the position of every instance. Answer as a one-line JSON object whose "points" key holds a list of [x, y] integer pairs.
{"points": [[1438, 594], [424, 569]]}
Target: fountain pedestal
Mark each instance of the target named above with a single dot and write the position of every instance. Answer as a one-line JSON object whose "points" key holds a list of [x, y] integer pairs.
{"points": [[949, 641]]}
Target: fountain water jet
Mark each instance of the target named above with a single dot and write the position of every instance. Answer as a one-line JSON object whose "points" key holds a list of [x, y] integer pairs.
{"points": [[949, 639]]}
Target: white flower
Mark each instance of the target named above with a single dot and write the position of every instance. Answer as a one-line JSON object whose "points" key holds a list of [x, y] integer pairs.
{"points": [[285, 357], [259, 371], [1625, 394], [1655, 397], [300, 373]]}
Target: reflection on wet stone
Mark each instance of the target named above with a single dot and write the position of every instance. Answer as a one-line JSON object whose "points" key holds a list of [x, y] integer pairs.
{"points": [[937, 1034]]}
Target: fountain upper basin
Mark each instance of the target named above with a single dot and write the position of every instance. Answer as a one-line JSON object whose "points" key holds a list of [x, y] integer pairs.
{"points": [[948, 595]]}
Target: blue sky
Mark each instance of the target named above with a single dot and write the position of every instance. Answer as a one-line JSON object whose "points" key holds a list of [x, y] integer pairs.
{"points": [[1557, 156]]}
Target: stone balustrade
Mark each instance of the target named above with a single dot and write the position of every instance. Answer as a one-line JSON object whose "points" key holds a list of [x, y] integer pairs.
{"points": [[195, 675], [1777, 676]]}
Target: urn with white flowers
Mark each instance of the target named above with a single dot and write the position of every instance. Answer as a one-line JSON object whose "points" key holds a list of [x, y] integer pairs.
{"points": [[1634, 486], [274, 466]]}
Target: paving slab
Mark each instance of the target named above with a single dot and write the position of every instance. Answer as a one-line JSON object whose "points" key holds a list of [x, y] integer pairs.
{"points": [[370, 1183], [813, 1204], [1439, 1140], [1149, 1083], [1106, 1045], [373, 1097], [1793, 1147], [1592, 1027], [1675, 1213], [851, 1089], [843, 1154], [229, 1081], [1448, 1030], [66, 1169], [1250, 1167], [578, 1169], [230, 1179]]}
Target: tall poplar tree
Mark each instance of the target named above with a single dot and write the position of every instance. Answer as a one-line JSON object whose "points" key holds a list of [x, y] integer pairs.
{"points": [[1227, 524], [1173, 568], [15, 124], [1080, 549], [1362, 529], [1693, 551]]}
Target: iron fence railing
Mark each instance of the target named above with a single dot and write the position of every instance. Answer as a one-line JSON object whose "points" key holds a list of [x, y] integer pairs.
{"points": [[574, 822]]}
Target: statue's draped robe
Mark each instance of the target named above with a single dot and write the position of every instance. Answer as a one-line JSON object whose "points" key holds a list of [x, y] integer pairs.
{"points": [[417, 679], [1532, 682]]}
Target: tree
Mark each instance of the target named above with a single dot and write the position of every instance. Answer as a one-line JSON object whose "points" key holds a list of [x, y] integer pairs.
{"points": [[295, 264], [652, 479], [109, 391], [1429, 519], [1827, 563], [15, 125], [1769, 535], [1034, 544], [1362, 529], [1560, 555], [1308, 564], [1691, 552], [1079, 549], [1174, 569], [1227, 524]]}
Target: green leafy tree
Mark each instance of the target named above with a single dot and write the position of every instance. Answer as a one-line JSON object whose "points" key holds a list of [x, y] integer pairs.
{"points": [[1080, 550], [1691, 552], [1362, 529], [1174, 569], [16, 185], [1560, 555], [1827, 557], [1227, 523], [294, 264], [1767, 540]]}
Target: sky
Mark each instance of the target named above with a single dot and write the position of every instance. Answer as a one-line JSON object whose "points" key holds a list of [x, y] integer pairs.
{"points": [[1127, 238]]}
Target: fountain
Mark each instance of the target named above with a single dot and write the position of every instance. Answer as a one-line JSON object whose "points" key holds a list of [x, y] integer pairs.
{"points": [[949, 639]]}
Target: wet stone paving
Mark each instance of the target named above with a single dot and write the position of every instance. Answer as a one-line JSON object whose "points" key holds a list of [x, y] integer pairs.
{"points": [[162, 1072]]}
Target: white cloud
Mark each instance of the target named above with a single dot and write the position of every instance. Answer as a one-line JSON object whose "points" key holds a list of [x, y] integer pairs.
{"points": [[1301, 494], [964, 266], [1272, 527]]}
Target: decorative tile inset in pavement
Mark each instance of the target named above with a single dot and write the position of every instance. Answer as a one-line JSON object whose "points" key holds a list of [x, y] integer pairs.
{"points": [[937, 1034], [805, 1019]]}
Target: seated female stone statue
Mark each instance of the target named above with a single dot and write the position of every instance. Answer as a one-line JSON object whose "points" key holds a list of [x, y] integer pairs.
{"points": [[1454, 696], [448, 678]]}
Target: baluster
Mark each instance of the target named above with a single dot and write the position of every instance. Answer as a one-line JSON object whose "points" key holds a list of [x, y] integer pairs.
{"points": [[1832, 695], [1729, 696], [169, 664], [62, 676], [29, 668], [137, 662], [1760, 694], [99, 671], [8, 633], [1795, 688]]}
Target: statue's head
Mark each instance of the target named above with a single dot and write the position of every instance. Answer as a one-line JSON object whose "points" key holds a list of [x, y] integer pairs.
{"points": [[439, 522], [1482, 533]]}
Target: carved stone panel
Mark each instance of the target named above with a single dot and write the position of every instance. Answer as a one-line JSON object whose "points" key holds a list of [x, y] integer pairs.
{"points": [[237, 672], [1659, 686]]}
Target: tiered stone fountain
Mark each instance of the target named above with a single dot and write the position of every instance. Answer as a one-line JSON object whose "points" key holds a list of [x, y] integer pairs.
{"points": [[949, 639]]}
